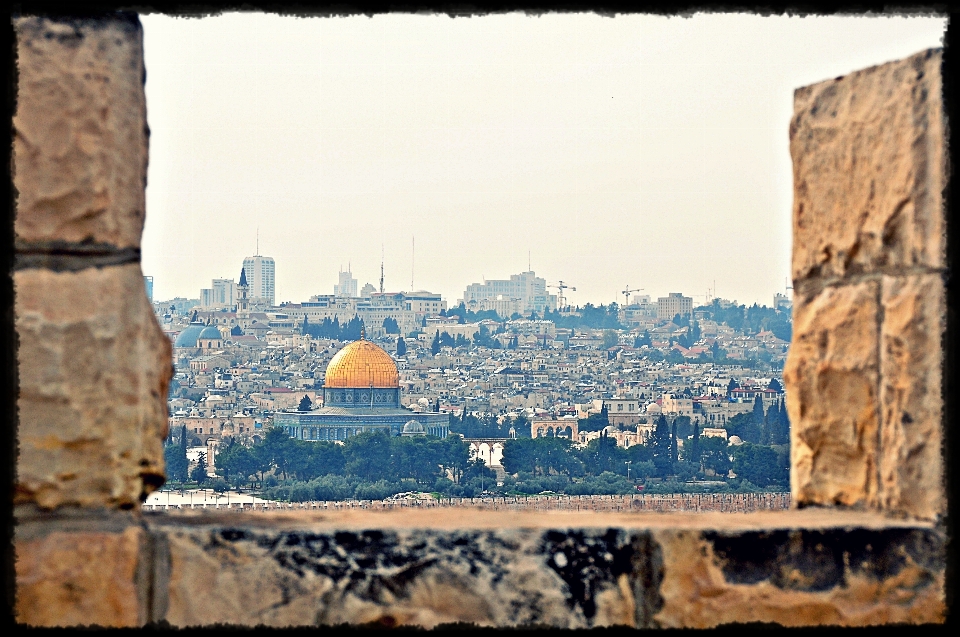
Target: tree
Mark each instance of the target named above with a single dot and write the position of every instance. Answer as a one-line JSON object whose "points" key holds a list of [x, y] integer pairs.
{"points": [[731, 386], [275, 449], [401, 346], [714, 455], [758, 419], [602, 454], [610, 339], [745, 426], [305, 404], [435, 345], [390, 325], [771, 423], [783, 420], [775, 385], [642, 339], [661, 447], [369, 455], [199, 473], [756, 463], [175, 458]]}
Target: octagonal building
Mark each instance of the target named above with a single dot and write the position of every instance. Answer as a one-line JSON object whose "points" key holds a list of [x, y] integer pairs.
{"points": [[361, 392]]}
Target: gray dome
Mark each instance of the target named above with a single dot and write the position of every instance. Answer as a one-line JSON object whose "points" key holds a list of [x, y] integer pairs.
{"points": [[413, 427], [189, 336], [210, 332]]}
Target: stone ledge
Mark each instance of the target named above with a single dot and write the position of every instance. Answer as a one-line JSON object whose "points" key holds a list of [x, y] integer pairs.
{"points": [[559, 569], [426, 568]]}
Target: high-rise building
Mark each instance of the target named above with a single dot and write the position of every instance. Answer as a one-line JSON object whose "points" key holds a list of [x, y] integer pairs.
{"points": [[526, 289], [347, 286], [148, 283], [673, 304], [221, 294], [260, 272]]}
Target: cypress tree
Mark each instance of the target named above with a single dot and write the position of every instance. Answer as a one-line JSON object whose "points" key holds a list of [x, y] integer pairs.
{"points": [[771, 429], [401, 346], [661, 446], [784, 422], [182, 455]]}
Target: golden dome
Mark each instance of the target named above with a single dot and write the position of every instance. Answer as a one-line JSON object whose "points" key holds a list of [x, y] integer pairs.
{"points": [[362, 364]]}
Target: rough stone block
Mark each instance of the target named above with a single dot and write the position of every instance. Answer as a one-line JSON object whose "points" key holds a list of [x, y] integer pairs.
{"points": [[911, 462], [795, 577], [80, 131], [419, 577], [80, 579], [94, 371], [869, 169], [831, 379]]}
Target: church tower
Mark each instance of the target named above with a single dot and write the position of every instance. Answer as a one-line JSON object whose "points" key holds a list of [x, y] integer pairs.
{"points": [[242, 289]]}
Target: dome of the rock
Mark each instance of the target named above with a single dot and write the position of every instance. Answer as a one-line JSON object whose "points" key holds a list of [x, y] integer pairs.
{"points": [[362, 364]]}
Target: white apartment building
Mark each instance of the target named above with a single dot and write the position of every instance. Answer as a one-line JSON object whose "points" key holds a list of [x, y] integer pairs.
{"points": [[526, 288], [260, 273], [673, 304], [221, 294], [347, 286]]}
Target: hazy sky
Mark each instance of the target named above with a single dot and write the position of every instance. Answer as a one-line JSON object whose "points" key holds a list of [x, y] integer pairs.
{"points": [[637, 150]]}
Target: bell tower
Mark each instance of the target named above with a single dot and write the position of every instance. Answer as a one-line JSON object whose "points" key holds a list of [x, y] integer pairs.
{"points": [[242, 289]]}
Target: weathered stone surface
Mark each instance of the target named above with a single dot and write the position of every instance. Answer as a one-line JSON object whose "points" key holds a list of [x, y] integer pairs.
{"points": [[831, 378], [80, 131], [911, 462], [423, 577], [869, 169], [80, 579], [840, 577], [814, 567], [94, 370]]}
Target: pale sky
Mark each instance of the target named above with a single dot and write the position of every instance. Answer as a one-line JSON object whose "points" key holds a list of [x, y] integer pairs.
{"points": [[640, 151]]}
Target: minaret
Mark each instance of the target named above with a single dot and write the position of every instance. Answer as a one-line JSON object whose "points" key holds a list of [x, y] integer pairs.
{"points": [[242, 292]]}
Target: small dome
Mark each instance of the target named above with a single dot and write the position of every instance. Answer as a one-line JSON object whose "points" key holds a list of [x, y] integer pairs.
{"points": [[412, 427], [735, 441], [609, 429], [188, 337], [210, 332]]}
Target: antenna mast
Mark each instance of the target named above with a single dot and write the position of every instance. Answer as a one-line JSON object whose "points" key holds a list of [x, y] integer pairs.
{"points": [[381, 268], [413, 253]]}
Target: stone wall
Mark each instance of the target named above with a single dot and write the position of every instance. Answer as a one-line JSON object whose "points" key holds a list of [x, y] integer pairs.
{"points": [[864, 381], [863, 376]]}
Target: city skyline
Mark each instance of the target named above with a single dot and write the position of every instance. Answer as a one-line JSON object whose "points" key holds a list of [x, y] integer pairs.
{"points": [[641, 150]]}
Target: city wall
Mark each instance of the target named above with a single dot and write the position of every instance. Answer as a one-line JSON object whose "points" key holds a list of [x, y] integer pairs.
{"points": [[863, 544]]}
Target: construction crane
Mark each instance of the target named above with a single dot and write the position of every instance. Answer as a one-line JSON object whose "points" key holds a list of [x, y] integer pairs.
{"points": [[561, 286], [626, 294]]}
